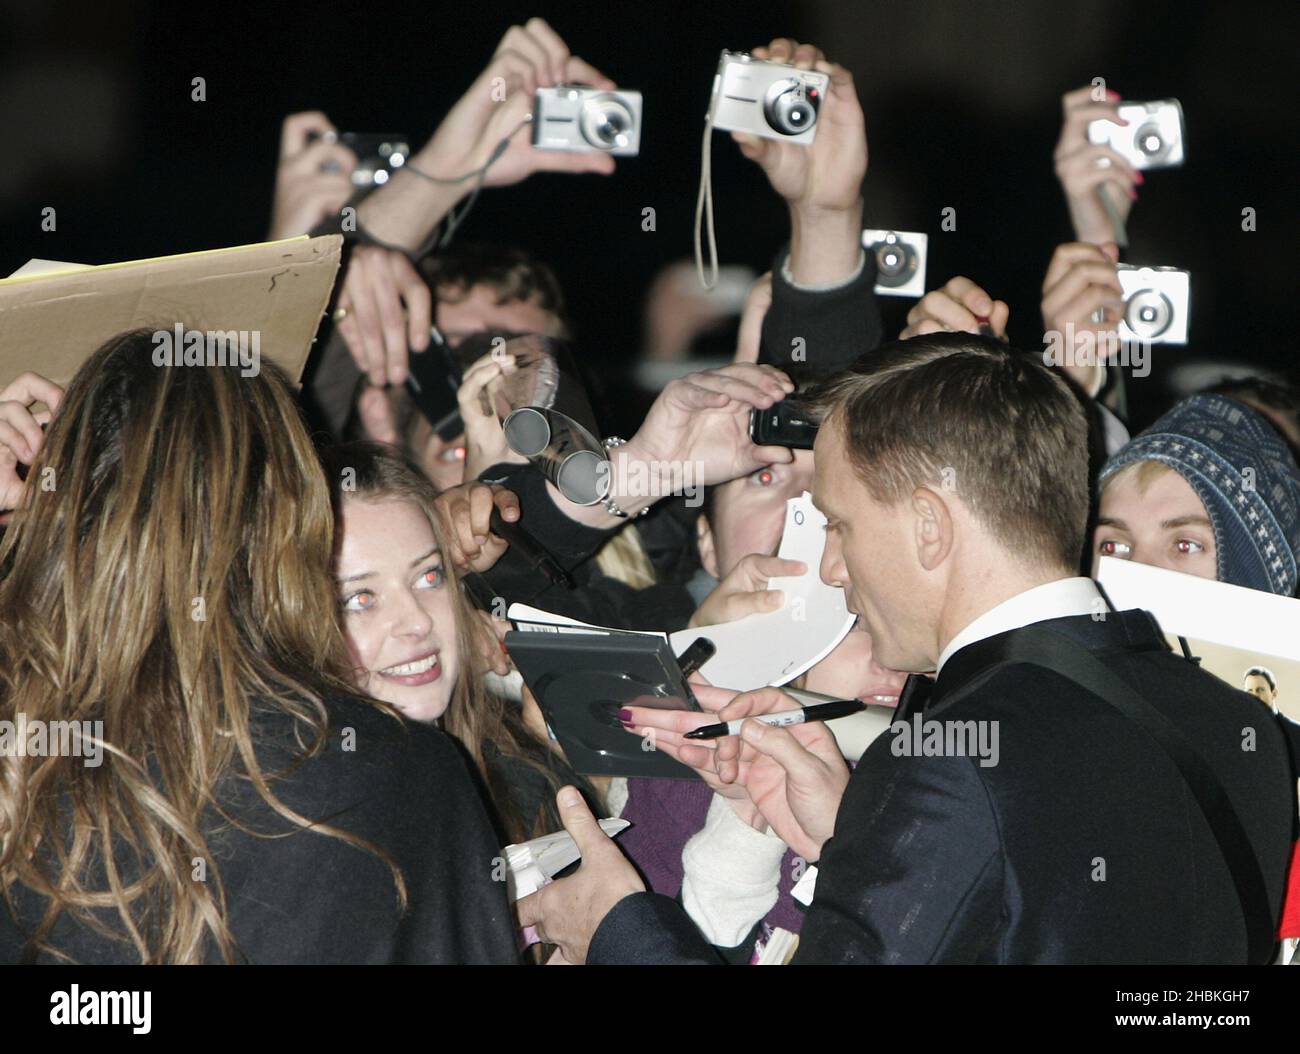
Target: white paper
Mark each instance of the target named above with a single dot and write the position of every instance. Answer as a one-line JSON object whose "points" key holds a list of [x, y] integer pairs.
{"points": [[534, 863], [529, 619], [776, 647], [1203, 609]]}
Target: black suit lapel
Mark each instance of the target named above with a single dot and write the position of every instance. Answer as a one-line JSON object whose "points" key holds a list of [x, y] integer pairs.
{"points": [[1120, 630]]}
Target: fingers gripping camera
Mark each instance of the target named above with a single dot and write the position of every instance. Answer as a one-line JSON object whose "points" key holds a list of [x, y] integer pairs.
{"points": [[573, 117], [770, 99]]}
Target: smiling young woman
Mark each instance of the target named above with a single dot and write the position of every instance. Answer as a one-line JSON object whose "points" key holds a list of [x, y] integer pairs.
{"points": [[411, 633]]}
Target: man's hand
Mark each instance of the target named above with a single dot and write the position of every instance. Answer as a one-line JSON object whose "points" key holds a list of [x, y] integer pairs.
{"points": [[1081, 280], [1082, 167], [568, 912], [821, 182], [388, 309], [744, 590], [791, 779], [703, 419], [313, 179], [960, 306], [20, 430], [498, 105], [467, 516], [795, 776], [696, 433], [666, 730]]}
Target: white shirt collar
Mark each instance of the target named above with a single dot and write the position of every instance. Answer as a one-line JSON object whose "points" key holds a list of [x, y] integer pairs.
{"points": [[1064, 597]]}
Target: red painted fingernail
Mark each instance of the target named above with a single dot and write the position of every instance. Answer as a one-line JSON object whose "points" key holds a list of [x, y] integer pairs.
{"points": [[1138, 177], [1111, 93], [625, 716]]}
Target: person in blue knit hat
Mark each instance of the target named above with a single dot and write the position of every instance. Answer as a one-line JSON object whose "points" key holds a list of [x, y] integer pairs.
{"points": [[1210, 489]]}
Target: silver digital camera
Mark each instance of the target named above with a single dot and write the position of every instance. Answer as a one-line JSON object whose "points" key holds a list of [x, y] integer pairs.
{"points": [[1156, 303], [576, 117], [1153, 137], [900, 261], [770, 99]]}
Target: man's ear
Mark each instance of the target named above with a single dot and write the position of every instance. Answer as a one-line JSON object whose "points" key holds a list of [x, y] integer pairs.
{"points": [[704, 542], [934, 528]]}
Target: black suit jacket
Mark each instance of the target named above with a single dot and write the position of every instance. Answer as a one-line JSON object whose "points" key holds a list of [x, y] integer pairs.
{"points": [[1083, 844]]}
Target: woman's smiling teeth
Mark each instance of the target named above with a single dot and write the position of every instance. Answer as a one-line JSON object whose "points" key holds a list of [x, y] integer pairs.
{"points": [[412, 669]]}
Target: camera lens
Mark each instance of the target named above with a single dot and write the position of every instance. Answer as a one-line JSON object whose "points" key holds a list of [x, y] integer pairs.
{"points": [[895, 262], [790, 107], [583, 478], [1150, 143], [606, 122], [1148, 313], [527, 432]]}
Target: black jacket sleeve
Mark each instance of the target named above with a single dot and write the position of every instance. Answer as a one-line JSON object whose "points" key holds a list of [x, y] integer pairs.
{"points": [[598, 598], [649, 929], [835, 326], [913, 873]]}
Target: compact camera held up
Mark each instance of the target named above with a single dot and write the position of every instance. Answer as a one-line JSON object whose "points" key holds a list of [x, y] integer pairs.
{"points": [[771, 99], [1156, 304], [1153, 137], [575, 117]]}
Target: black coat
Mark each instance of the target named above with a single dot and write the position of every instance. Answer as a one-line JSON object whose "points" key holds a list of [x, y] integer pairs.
{"points": [[1083, 844], [309, 898]]}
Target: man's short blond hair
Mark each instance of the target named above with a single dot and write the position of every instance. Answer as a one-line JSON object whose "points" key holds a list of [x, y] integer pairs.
{"points": [[958, 412]]}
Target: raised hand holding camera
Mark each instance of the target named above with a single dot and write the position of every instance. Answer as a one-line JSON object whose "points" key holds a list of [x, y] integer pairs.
{"points": [[481, 142], [818, 170]]}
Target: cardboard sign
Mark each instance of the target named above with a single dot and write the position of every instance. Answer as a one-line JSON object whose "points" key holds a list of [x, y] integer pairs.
{"points": [[54, 316]]}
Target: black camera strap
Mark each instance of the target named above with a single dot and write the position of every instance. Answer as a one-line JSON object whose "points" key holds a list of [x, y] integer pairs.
{"points": [[1038, 646]]}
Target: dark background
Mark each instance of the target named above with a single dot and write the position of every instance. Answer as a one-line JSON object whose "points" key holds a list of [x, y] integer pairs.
{"points": [[961, 98]]}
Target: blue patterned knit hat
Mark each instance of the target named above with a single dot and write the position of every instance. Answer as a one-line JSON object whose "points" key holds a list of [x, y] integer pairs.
{"points": [[1245, 477]]}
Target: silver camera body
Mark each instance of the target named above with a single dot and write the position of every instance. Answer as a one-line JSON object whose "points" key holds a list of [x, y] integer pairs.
{"points": [[1156, 304], [900, 261], [580, 118], [1153, 137], [770, 99]]}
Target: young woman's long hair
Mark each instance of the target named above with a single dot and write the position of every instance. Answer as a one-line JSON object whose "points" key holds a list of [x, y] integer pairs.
{"points": [[170, 567], [480, 720]]}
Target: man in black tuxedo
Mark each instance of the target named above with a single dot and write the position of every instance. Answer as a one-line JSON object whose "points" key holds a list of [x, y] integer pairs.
{"points": [[954, 477]]}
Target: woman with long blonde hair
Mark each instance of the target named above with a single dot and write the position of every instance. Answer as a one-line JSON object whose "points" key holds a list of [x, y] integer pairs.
{"points": [[165, 581]]}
